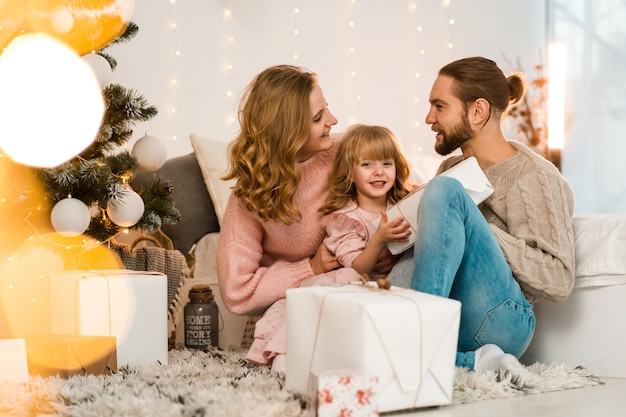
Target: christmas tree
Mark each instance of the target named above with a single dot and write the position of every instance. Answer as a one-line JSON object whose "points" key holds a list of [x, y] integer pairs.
{"points": [[98, 177]]}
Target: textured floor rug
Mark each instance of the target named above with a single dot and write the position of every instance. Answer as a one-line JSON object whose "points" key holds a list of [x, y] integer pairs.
{"points": [[218, 383]]}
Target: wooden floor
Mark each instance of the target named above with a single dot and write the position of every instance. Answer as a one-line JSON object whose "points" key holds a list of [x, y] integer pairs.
{"points": [[608, 400]]}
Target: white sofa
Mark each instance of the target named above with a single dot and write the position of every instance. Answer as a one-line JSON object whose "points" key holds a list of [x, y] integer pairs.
{"points": [[585, 330], [588, 328]]}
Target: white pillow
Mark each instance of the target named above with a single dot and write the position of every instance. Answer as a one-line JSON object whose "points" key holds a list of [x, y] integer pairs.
{"points": [[213, 160], [600, 245]]}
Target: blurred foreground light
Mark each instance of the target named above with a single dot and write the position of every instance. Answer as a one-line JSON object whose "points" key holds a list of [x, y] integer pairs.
{"points": [[51, 103]]}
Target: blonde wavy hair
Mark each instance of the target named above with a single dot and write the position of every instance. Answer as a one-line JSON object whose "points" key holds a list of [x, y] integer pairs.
{"points": [[362, 142], [275, 120]]}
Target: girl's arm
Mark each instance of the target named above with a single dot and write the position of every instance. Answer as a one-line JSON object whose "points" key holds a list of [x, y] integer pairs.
{"points": [[398, 230]]}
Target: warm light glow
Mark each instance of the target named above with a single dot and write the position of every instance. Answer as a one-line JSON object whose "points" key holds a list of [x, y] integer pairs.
{"points": [[556, 96], [51, 103], [24, 289]]}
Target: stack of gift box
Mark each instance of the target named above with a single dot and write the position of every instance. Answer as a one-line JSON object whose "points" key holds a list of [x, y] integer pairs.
{"points": [[98, 321], [354, 349], [364, 350]]}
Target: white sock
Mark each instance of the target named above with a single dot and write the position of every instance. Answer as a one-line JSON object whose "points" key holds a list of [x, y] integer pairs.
{"points": [[491, 358], [279, 364]]}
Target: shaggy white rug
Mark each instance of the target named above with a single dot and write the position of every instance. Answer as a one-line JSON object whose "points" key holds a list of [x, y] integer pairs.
{"points": [[221, 383]]}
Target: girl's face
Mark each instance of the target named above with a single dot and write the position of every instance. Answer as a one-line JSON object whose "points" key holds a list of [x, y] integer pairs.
{"points": [[321, 122], [374, 178]]}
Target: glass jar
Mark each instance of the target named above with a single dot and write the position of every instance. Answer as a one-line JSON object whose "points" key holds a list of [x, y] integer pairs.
{"points": [[201, 319]]}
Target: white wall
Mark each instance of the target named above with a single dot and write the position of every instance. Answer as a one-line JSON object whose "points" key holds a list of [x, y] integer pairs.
{"points": [[374, 64]]}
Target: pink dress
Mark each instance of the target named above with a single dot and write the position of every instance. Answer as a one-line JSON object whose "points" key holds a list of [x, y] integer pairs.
{"points": [[348, 229]]}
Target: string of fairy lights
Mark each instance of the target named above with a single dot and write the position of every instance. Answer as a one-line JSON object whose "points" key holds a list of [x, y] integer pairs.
{"points": [[173, 91], [295, 37], [229, 45], [420, 43]]}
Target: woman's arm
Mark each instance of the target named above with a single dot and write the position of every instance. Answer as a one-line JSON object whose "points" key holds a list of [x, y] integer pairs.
{"points": [[250, 279]]}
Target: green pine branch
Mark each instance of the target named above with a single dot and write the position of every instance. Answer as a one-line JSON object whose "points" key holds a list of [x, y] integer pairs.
{"points": [[94, 176]]}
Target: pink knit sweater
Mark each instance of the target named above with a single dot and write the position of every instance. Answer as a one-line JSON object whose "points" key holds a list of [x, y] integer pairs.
{"points": [[257, 261]]}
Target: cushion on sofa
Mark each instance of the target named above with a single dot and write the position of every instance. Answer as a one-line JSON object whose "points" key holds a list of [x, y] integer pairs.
{"points": [[197, 215], [212, 156], [600, 247]]}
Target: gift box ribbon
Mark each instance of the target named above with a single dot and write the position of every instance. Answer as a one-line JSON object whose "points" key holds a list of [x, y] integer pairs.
{"points": [[394, 337]]}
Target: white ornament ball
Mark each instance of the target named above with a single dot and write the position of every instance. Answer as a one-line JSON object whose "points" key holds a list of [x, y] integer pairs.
{"points": [[70, 217], [126, 211], [150, 153], [62, 21], [100, 67]]}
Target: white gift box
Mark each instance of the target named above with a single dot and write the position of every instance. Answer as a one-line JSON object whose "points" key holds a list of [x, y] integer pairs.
{"points": [[130, 305], [13, 361], [406, 338], [468, 172]]}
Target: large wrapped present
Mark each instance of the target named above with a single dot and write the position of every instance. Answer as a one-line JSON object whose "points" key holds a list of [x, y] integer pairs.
{"points": [[406, 338], [342, 393], [13, 364], [66, 355], [129, 305]]}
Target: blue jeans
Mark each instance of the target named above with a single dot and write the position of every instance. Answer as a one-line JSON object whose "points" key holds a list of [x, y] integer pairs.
{"points": [[456, 255]]}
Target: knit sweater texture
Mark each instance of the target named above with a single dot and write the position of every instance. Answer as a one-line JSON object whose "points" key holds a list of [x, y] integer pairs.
{"points": [[530, 212], [258, 260]]}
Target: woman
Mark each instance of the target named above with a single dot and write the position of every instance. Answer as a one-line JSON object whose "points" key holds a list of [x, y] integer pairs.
{"points": [[271, 238]]}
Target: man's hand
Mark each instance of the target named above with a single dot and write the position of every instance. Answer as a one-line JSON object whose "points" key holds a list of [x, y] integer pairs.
{"points": [[386, 261]]}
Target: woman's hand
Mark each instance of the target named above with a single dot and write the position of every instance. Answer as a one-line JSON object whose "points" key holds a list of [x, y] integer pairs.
{"points": [[323, 261]]}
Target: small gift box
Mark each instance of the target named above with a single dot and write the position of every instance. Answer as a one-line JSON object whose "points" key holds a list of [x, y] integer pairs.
{"points": [[129, 305], [67, 355], [13, 364], [342, 393], [406, 338]]}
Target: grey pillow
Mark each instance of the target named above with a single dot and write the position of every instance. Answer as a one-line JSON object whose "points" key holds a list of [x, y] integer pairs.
{"points": [[197, 215]]}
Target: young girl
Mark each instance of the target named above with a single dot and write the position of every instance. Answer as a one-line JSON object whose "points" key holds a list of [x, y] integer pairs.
{"points": [[369, 175]]}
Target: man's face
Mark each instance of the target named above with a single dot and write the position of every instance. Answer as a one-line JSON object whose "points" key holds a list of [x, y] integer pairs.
{"points": [[447, 117]]}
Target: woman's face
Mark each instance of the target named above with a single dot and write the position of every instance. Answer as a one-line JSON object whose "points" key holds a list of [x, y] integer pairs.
{"points": [[321, 122]]}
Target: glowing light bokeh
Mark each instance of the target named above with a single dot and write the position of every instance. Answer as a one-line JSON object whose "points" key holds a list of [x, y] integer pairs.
{"points": [[24, 279], [51, 102]]}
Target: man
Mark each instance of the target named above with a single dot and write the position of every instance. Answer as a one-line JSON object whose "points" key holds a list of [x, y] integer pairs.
{"points": [[513, 250]]}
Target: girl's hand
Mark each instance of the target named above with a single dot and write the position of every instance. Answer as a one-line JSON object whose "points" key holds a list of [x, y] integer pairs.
{"points": [[323, 261], [397, 230]]}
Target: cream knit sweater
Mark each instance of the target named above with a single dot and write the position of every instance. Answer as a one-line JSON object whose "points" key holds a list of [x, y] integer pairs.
{"points": [[530, 213]]}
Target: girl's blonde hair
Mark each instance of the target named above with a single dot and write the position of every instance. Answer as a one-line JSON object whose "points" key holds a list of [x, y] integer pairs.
{"points": [[365, 142], [275, 119]]}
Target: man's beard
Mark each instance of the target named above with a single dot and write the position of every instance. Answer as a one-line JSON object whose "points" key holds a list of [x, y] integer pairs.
{"points": [[461, 133]]}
